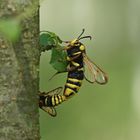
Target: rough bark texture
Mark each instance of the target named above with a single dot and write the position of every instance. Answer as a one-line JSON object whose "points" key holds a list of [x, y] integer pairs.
{"points": [[19, 82]]}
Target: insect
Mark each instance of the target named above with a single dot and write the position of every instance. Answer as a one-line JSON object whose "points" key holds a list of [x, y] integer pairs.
{"points": [[80, 67], [48, 100]]}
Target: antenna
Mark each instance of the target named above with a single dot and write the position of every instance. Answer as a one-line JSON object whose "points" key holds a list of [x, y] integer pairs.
{"points": [[79, 37], [81, 34], [85, 37]]}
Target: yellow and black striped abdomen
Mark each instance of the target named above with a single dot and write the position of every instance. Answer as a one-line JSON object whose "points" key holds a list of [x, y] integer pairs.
{"points": [[54, 100], [74, 82]]}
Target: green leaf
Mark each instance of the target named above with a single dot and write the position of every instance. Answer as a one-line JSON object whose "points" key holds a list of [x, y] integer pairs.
{"points": [[49, 40], [46, 39], [58, 60], [59, 40], [10, 28]]}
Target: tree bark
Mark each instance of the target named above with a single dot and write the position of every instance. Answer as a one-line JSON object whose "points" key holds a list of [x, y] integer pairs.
{"points": [[19, 79]]}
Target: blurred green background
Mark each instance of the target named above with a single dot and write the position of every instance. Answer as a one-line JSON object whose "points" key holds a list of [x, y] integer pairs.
{"points": [[111, 111]]}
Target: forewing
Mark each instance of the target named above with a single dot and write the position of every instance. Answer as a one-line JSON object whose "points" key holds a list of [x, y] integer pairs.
{"points": [[52, 92], [50, 110], [92, 72]]}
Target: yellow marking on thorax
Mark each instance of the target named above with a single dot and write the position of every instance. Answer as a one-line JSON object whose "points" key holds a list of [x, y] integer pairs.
{"points": [[66, 48], [75, 64], [74, 80], [68, 58], [82, 47], [72, 86], [76, 53], [73, 41], [68, 91], [81, 69]]}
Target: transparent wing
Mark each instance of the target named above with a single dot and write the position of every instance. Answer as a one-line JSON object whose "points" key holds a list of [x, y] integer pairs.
{"points": [[50, 110], [52, 92], [92, 72]]}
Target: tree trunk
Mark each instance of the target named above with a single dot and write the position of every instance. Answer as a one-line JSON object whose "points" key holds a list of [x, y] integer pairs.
{"points": [[19, 81]]}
